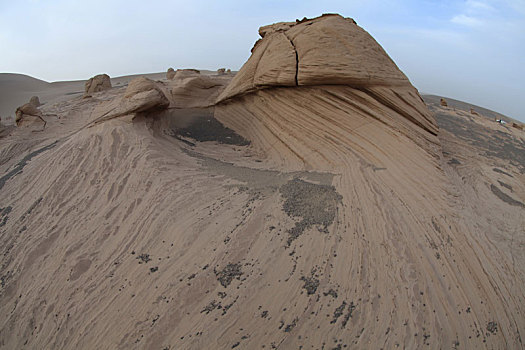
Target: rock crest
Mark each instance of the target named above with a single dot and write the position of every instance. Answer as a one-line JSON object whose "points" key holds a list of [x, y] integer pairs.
{"points": [[317, 72], [327, 50], [185, 73]]}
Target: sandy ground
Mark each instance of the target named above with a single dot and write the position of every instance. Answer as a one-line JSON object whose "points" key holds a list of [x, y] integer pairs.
{"points": [[149, 234], [288, 207]]}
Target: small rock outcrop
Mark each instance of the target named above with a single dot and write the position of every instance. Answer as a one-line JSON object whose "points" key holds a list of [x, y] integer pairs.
{"points": [[196, 91], [185, 73], [472, 111], [35, 101], [517, 126], [170, 74], [29, 114], [97, 83], [142, 95], [221, 71], [443, 102]]}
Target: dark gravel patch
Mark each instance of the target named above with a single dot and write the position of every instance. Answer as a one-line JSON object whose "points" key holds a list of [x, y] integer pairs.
{"points": [[210, 307], [291, 326], [143, 258], [314, 204], [501, 172], [497, 144], [507, 186], [348, 315], [505, 197], [4, 215], [230, 271], [31, 208], [331, 293], [492, 327], [207, 128], [310, 284], [338, 312], [18, 168]]}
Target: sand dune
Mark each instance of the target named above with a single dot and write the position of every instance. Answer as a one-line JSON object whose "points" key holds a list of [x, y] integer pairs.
{"points": [[278, 209]]}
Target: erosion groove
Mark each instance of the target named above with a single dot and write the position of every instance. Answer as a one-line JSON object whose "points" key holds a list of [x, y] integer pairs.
{"points": [[296, 60]]}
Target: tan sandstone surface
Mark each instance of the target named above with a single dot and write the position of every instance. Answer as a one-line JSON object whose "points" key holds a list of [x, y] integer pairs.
{"points": [[310, 201]]}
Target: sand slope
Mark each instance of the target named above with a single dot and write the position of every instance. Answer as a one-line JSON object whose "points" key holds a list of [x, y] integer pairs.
{"points": [[314, 216]]}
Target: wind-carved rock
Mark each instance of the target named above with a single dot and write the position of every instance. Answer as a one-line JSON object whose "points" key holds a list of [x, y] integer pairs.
{"points": [[170, 74], [35, 101], [318, 67], [142, 95], [97, 83], [185, 73], [29, 114]]}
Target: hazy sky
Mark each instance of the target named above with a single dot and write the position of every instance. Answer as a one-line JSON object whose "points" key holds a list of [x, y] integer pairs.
{"points": [[472, 50]]}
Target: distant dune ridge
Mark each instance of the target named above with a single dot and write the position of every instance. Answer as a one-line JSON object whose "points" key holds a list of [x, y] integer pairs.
{"points": [[311, 200]]}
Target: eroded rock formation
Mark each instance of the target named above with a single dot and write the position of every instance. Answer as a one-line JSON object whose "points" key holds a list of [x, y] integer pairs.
{"points": [[35, 101], [336, 67], [170, 74], [337, 219], [142, 95], [185, 73], [196, 91], [97, 83], [29, 114]]}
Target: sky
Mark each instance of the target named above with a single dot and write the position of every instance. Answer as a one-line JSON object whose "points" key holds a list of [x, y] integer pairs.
{"points": [[471, 50]]}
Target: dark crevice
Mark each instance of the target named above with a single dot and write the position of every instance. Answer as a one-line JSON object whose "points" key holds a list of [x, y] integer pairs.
{"points": [[505, 197], [18, 167], [296, 60]]}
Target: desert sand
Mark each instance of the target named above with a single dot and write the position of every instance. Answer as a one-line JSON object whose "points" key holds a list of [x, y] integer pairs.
{"points": [[313, 200]]}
